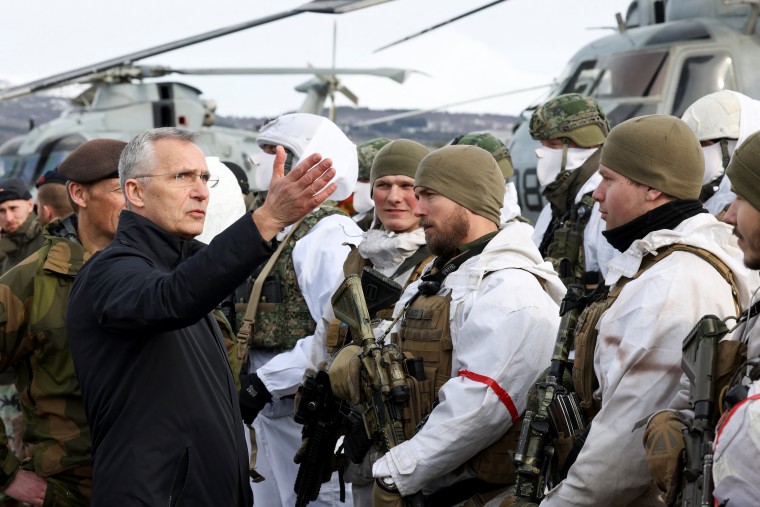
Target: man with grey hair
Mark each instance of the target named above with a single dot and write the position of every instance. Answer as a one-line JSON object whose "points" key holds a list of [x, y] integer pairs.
{"points": [[147, 351]]}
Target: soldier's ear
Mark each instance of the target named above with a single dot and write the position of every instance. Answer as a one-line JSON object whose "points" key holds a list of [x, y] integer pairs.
{"points": [[77, 194]]}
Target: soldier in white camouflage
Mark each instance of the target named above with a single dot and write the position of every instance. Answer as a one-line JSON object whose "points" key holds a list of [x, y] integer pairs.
{"points": [[296, 285], [572, 129], [34, 343]]}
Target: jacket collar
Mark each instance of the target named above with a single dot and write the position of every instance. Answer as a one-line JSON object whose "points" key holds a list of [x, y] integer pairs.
{"points": [[65, 255], [29, 230], [164, 248]]}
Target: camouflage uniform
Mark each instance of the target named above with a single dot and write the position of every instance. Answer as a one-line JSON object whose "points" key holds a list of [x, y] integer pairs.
{"points": [[34, 341], [284, 319], [19, 245]]}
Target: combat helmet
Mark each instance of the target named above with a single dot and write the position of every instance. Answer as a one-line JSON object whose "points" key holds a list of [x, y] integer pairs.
{"points": [[714, 116], [493, 146], [571, 116], [366, 153]]}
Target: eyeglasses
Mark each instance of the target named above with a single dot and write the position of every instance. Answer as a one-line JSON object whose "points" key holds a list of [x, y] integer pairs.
{"points": [[186, 178]]}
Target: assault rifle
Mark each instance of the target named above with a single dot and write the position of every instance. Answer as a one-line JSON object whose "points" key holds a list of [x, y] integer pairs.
{"points": [[558, 410], [384, 385], [700, 351], [322, 415]]}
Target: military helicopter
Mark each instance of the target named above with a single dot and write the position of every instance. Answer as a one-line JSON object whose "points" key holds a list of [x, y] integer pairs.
{"points": [[119, 104], [664, 55]]}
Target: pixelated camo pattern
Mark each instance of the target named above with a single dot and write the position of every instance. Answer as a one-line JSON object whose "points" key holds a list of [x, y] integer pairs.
{"points": [[33, 340], [366, 153], [280, 325], [566, 113]]}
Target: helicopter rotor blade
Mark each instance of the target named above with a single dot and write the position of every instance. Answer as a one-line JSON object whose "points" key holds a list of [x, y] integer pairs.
{"points": [[322, 6], [430, 29], [398, 75], [417, 112], [348, 94]]}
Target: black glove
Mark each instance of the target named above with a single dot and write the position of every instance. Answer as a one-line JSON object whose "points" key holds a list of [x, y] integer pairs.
{"points": [[253, 396]]}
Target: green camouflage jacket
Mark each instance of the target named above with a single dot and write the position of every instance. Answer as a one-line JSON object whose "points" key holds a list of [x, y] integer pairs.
{"points": [[34, 342], [17, 246]]}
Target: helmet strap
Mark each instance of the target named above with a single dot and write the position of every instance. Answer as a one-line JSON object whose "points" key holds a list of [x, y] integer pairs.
{"points": [[565, 143], [724, 151]]}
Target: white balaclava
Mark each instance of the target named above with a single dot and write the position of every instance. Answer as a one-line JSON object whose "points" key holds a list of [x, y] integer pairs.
{"points": [[225, 204], [305, 134], [549, 162]]}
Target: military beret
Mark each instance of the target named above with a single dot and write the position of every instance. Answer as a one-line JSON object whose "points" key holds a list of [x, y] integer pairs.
{"points": [[52, 176], [93, 161], [12, 189], [240, 176]]}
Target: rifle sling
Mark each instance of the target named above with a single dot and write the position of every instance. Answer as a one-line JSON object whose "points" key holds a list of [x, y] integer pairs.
{"points": [[246, 328]]}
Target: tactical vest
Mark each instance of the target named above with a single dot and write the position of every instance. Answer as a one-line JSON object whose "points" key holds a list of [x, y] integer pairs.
{"points": [[282, 315], [354, 264], [562, 243], [424, 333], [584, 380]]}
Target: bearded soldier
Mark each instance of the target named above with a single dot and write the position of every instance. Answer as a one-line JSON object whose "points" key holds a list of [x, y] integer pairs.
{"points": [[481, 320], [572, 129]]}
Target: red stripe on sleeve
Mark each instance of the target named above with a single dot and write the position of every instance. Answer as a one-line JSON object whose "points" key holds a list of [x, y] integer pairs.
{"points": [[501, 393]]}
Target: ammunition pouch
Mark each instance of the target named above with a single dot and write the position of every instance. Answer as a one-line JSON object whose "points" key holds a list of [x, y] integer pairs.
{"points": [[584, 379], [731, 356], [494, 463]]}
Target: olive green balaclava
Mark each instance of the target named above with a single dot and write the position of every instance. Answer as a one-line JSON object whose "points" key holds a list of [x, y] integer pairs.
{"points": [[744, 170], [467, 175], [658, 151]]}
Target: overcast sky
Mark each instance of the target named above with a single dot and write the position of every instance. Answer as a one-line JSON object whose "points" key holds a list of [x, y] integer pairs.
{"points": [[515, 44]]}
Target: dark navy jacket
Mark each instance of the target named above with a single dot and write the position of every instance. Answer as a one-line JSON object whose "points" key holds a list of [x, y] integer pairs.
{"points": [[157, 386]]}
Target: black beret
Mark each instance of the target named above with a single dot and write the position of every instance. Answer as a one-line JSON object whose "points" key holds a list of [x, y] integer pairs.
{"points": [[52, 176], [240, 175], [12, 189], [95, 160]]}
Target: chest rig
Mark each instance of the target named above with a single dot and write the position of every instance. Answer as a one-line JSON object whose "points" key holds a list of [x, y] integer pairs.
{"points": [[277, 315], [425, 337], [584, 379], [562, 243], [337, 333]]}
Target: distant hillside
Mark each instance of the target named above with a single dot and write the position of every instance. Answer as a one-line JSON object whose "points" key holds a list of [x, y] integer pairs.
{"points": [[432, 129]]}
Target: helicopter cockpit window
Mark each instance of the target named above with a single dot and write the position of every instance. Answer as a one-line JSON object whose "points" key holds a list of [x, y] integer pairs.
{"points": [[626, 75], [627, 84], [701, 75]]}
